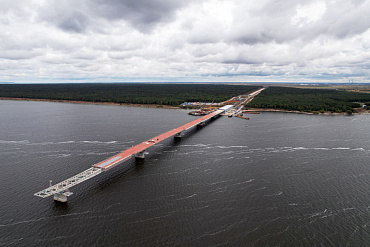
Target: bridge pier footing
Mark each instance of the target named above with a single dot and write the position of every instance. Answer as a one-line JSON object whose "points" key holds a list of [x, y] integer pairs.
{"points": [[141, 155], [60, 198]]}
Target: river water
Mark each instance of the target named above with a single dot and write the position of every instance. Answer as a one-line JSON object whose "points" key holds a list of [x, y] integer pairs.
{"points": [[282, 180]]}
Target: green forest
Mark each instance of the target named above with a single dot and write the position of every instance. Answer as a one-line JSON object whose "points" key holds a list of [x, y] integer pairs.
{"points": [[309, 100], [131, 93]]}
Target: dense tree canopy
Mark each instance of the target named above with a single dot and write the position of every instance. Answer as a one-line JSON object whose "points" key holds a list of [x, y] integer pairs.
{"points": [[132, 93], [308, 100]]}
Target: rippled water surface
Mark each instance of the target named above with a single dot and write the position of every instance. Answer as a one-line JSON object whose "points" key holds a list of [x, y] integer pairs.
{"points": [[282, 180]]}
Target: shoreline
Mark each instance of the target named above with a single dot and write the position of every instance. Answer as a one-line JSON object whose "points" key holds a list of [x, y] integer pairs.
{"points": [[93, 103], [300, 112], [172, 107]]}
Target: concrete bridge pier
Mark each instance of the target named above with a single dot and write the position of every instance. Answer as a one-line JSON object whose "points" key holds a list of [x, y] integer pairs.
{"points": [[141, 155], [60, 197], [178, 135]]}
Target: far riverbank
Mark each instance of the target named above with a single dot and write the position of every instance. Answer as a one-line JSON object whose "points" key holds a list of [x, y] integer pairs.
{"points": [[300, 112], [170, 107], [94, 103]]}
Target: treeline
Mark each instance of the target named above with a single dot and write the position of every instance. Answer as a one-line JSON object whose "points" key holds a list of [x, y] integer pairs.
{"points": [[309, 100], [131, 93]]}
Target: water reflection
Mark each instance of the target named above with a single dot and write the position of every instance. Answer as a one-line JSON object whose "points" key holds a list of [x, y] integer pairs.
{"points": [[61, 208]]}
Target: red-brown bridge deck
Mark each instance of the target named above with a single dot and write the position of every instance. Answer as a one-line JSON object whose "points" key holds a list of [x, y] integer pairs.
{"points": [[128, 153]]}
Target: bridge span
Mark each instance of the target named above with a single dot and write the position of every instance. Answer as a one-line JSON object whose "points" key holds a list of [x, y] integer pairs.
{"points": [[61, 190]]}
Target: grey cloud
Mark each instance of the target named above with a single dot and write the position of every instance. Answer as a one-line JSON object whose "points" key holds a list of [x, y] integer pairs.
{"points": [[18, 54], [141, 14], [240, 60], [74, 22], [69, 16], [253, 38], [78, 16], [128, 38], [252, 73], [146, 11]]}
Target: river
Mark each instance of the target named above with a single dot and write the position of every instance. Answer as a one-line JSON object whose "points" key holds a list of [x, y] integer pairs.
{"points": [[278, 179]]}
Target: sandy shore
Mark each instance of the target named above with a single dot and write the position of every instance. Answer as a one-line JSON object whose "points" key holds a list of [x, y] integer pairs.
{"points": [[94, 103]]}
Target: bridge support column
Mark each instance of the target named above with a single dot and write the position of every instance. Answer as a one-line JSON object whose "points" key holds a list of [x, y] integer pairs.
{"points": [[60, 197], [178, 135], [141, 155]]}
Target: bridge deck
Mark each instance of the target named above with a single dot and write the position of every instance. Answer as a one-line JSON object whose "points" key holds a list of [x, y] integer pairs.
{"points": [[115, 160], [119, 158]]}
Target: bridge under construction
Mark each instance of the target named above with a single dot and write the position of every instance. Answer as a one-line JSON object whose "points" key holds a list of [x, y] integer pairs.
{"points": [[61, 190]]}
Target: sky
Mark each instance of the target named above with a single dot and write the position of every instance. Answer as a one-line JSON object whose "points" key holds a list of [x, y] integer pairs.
{"points": [[184, 41]]}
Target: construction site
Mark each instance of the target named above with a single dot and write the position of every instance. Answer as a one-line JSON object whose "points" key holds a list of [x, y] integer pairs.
{"points": [[230, 108], [234, 106]]}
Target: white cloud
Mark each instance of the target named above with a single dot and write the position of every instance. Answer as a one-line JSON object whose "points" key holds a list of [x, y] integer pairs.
{"points": [[230, 40], [308, 13]]}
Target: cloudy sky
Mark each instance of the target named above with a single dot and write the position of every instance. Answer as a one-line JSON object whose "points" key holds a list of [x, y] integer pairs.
{"points": [[177, 40]]}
